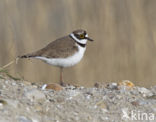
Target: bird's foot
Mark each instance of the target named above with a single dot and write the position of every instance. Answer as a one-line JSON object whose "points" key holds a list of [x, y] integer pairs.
{"points": [[63, 84]]}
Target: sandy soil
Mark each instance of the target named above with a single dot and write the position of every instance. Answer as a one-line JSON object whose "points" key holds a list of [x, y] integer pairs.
{"points": [[22, 101]]}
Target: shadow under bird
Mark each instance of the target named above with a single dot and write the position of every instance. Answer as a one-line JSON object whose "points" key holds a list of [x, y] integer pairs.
{"points": [[63, 52]]}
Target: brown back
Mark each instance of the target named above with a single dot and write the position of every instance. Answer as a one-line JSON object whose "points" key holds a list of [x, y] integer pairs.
{"points": [[60, 48]]}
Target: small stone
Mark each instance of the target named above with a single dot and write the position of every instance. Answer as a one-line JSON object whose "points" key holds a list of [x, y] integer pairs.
{"points": [[23, 119], [3, 102], [38, 108], [152, 97], [145, 92], [97, 85], [135, 103], [53, 86], [101, 104], [44, 87], [13, 84], [113, 86], [71, 87], [100, 84], [126, 83]]}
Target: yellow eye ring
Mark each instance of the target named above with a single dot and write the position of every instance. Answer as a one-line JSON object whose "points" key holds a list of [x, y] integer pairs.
{"points": [[81, 36]]}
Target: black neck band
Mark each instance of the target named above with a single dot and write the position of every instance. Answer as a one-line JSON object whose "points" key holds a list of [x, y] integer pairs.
{"points": [[82, 45]]}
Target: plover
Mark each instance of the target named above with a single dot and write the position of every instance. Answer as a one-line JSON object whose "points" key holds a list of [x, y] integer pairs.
{"points": [[63, 52]]}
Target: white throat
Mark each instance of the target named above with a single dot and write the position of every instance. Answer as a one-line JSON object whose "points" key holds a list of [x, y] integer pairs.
{"points": [[82, 41]]}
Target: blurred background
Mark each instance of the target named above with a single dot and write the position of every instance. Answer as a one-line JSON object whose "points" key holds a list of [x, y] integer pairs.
{"points": [[124, 32]]}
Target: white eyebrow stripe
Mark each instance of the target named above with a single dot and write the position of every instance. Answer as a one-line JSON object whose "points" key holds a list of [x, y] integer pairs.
{"points": [[82, 41]]}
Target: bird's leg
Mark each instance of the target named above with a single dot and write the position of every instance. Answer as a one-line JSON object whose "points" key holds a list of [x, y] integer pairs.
{"points": [[61, 76]]}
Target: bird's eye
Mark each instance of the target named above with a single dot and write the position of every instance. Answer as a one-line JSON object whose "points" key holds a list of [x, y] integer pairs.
{"points": [[82, 36]]}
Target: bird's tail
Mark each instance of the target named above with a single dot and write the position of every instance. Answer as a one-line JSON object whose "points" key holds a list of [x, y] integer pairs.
{"points": [[26, 56]]}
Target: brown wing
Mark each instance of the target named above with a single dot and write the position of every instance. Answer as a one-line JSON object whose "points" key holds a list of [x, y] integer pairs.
{"points": [[60, 48]]}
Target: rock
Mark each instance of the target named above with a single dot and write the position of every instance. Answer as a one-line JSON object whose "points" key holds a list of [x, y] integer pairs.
{"points": [[101, 84], [135, 103], [145, 92], [126, 83], [23, 119], [52, 86], [3, 102], [113, 86], [101, 104]]}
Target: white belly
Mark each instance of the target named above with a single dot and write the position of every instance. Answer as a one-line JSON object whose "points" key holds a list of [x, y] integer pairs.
{"points": [[65, 62]]}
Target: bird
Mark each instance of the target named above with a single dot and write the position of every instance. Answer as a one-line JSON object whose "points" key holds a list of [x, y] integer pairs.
{"points": [[63, 52]]}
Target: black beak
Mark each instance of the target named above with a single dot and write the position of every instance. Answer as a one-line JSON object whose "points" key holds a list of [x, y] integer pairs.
{"points": [[89, 39]]}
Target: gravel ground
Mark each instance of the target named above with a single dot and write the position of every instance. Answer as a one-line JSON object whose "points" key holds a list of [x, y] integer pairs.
{"points": [[22, 101]]}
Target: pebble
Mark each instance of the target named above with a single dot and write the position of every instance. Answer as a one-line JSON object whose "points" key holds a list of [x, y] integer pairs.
{"points": [[23, 119], [52, 86], [1, 106], [145, 92], [101, 104], [126, 84], [113, 86]]}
